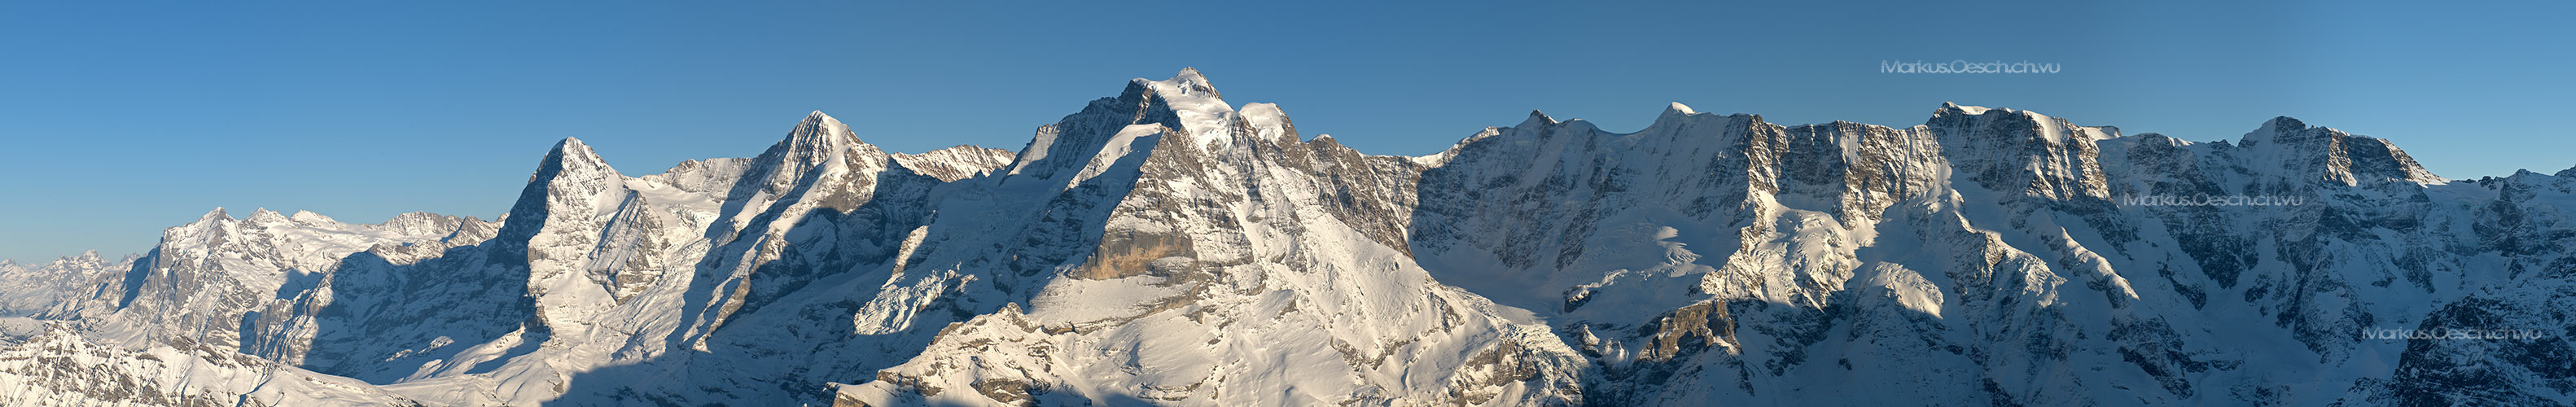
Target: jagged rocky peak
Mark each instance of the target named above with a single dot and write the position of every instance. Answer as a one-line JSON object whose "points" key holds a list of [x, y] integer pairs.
{"points": [[955, 163], [2024, 152], [570, 156], [570, 161], [412, 222], [2015, 122], [1536, 119], [1948, 108], [819, 133], [820, 152], [814, 138], [1185, 106], [568, 181], [216, 215], [213, 228], [2324, 154], [1679, 123]]}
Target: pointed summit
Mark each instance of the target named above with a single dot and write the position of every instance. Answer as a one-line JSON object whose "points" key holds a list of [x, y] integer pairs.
{"points": [[817, 140], [818, 132], [1537, 118], [1195, 82], [1674, 116], [1672, 113], [567, 181], [818, 146], [265, 216], [824, 122], [217, 214], [570, 154]]}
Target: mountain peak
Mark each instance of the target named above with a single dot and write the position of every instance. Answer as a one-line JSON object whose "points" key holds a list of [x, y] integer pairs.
{"points": [[265, 216], [310, 218], [570, 174], [1203, 116], [217, 214], [820, 120], [1537, 118], [1192, 75], [2280, 124], [1949, 107], [1187, 84], [1143, 249], [1679, 109], [570, 153], [2337, 156], [2281, 129], [819, 130]]}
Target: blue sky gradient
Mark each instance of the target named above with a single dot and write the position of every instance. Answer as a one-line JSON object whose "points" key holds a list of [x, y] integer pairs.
{"points": [[119, 119]]}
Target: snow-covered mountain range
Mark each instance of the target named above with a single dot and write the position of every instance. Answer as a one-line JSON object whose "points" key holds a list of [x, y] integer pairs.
{"points": [[1167, 247]]}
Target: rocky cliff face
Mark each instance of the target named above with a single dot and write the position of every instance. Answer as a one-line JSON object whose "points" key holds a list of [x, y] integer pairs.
{"points": [[1165, 246]]}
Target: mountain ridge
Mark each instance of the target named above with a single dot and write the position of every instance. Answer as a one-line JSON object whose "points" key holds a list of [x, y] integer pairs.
{"points": [[1164, 246]]}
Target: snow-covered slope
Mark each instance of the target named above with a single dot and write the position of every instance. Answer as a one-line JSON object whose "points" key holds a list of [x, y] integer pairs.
{"points": [[27, 289], [52, 365], [1167, 249], [1165, 246], [1988, 257], [208, 279]]}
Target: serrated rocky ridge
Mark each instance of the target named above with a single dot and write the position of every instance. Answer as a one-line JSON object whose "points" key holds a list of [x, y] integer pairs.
{"points": [[1165, 246]]}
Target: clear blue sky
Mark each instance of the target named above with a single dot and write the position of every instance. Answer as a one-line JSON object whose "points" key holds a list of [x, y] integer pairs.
{"points": [[119, 119]]}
